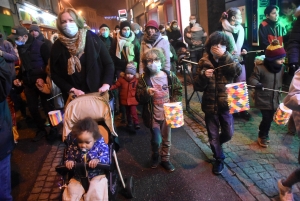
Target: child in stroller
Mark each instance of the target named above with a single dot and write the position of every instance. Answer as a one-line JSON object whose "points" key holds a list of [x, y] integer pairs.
{"points": [[89, 147]]}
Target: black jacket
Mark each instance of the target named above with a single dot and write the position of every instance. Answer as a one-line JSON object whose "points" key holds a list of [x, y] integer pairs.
{"points": [[99, 65], [6, 136], [294, 43]]}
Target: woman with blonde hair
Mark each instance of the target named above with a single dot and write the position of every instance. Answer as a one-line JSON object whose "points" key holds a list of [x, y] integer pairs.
{"points": [[79, 61]]}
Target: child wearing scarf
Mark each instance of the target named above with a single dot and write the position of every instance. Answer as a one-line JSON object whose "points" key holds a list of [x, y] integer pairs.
{"points": [[268, 73]]}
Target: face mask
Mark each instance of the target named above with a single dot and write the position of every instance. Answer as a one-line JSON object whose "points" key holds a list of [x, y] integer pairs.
{"points": [[105, 34], [223, 47], [192, 21], [162, 31], [154, 67], [136, 31], [19, 42], [239, 21], [126, 33], [175, 26], [118, 30], [70, 29]]}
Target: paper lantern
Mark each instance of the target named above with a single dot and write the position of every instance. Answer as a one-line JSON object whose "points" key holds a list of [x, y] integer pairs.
{"points": [[238, 99], [55, 117], [174, 114], [282, 114]]}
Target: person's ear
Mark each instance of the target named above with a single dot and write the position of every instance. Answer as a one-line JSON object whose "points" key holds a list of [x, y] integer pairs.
{"points": [[233, 18]]}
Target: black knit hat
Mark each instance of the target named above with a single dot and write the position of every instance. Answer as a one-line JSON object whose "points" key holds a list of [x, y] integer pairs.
{"points": [[34, 27], [103, 25], [124, 24]]}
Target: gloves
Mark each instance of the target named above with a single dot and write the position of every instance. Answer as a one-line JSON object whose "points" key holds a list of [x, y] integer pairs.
{"points": [[293, 67], [259, 86]]}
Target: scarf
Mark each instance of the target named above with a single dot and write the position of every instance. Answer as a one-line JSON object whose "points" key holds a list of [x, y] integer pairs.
{"points": [[237, 29], [151, 39], [75, 47], [272, 66], [127, 43]]}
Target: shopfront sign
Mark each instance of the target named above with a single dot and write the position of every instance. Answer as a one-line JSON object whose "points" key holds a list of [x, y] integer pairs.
{"points": [[122, 13], [29, 13]]}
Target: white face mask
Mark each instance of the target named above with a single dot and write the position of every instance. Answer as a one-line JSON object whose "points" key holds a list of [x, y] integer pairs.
{"points": [[223, 47], [137, 31], [70, 29], [154, 67], [192, 21], [239, 21]]}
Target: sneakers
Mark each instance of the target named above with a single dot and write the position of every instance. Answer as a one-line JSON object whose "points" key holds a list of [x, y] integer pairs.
{"points": [[218, 167], [154, 161], [39, 135], [167, 165], [263, 142], [137, 127], [285, 193]]}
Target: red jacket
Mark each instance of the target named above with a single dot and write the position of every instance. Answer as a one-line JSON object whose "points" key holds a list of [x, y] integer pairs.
{"points": [[127, 90]]}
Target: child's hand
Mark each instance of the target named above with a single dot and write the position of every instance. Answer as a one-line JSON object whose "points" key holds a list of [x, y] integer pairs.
{"points": [[70, 164], [17, 83], [217, 50], [209, 73], [244, 52], [93, 163], [151, 91]]}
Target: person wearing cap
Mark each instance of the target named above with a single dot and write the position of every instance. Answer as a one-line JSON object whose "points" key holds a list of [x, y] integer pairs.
{"points": [[104, 36], [34, 55], [127, 86], [270, 28], [35, 31], [135, 27], [173, 33], [153, 38], [79, 61], [268, 73], [125, 48]]}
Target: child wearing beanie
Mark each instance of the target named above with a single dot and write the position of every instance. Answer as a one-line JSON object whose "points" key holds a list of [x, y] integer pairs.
{"points": [[127, 88], [268, 73]]}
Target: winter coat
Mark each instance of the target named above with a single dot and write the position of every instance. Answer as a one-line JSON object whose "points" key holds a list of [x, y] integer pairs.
{"points": [[266, 99], [6, 135], [99, 65], [268, 31], [215, 97], [174, 36], [9, 54], [107, 41], [144, 98], [48, 42], [120, 64], [293, 47], [127, 90], [159, 43]]}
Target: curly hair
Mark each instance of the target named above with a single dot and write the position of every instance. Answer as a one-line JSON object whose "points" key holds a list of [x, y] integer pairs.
{"points": [[76, 17], [218, 37], [87, 124], [229, 14], [159, 53]]}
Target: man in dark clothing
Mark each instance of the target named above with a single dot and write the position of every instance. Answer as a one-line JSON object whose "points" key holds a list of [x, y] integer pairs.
{"points": [[35, 31], [270, 28], [6, 136], [34, 55], [104, 36]]}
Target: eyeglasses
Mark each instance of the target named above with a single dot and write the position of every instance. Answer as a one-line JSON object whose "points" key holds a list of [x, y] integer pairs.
{"points": [[152, 60]]}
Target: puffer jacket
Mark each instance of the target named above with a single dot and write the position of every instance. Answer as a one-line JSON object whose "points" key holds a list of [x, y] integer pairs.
{"points": [[144, 98], [159, 43], [215, 97], [127, 90], [266, 99]]}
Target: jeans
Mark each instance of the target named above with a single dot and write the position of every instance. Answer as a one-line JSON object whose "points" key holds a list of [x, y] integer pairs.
{"points": [[265, 124], [213, 123], [32, 95], [131, 114], [195, 57], [161, 138], [5, 179]]}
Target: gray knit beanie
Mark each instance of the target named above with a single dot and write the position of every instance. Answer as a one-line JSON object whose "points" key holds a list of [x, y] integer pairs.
{"points": [[34, 27], [130, 68]]}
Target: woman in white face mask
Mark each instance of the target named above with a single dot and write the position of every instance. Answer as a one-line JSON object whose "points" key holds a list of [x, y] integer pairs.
{"points": [[231, 24], [79, 61], [174, 34]]}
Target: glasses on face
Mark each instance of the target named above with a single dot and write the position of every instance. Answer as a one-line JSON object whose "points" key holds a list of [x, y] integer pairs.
{"points": [[150, 61]]}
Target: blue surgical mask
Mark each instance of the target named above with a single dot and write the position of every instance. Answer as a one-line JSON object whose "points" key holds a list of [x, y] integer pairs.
{"points": [[155, 67], [19, 42], [126, 34], [70, 29], [105, 34]]}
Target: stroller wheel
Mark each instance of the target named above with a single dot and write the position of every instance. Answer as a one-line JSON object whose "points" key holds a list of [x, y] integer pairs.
{"points": [[128, 191]]}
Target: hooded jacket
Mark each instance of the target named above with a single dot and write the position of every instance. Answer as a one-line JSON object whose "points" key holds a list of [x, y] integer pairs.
{"points": [[214, 91], [9, 54]]}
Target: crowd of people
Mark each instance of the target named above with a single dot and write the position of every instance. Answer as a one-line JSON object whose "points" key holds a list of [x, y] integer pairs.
{"points": [[139, 67]]}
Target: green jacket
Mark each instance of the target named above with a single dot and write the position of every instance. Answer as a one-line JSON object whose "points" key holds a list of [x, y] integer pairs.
{"points": [[144, 98], [215, 97]]}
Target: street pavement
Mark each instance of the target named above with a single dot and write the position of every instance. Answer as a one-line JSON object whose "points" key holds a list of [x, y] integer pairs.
{"points": [[251, 172]]}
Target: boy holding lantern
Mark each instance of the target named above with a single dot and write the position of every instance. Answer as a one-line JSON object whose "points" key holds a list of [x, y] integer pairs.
{"points": [[268, 73], [216, 69]]}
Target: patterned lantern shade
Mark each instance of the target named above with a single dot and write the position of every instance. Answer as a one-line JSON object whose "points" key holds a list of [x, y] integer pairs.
{"points": [[238, 99], [55, 117], [174, 114], [282, 115]]}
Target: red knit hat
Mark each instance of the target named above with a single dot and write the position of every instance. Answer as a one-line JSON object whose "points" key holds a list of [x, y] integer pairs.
{"points": [[275, 51], [152, 23]]}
